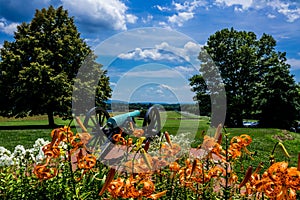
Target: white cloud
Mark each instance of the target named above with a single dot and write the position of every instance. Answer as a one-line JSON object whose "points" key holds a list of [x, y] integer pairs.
{"points": [[271, 16], [184, 11], [245, 4], [147, 19], [162, 8], [190, 49], [165, 25], [295, 63], [180, 18], [131, 18], [109, 13], [113, 84], [188, 6], [290, 10], [159, 91], [164, 86], [8, 28], [144, 54], [164, 51], [291, 14], [181, 7]]}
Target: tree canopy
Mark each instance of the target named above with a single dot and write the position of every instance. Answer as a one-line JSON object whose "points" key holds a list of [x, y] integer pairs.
{"points": [[38, 68], [248, 66]]}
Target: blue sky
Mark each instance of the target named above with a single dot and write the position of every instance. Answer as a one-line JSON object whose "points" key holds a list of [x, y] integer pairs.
{"points": [[137, 71]]}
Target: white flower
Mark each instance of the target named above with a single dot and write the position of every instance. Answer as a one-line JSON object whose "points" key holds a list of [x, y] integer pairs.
{"points": [[40, 142], [19, 151], [5, 160], [40, 156], [4, 151]]}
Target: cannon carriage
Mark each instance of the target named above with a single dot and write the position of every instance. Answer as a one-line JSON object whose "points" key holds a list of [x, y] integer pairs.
{"points": [[103, 128]]}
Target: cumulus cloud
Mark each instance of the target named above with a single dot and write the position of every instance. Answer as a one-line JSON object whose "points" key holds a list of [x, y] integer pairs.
{"points": [[164, 51], [8, 28], [108, 13], [145, 54], [190, 49]]}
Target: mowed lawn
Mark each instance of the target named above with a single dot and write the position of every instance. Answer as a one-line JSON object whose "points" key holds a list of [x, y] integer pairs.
{"points": [[26, 131]]}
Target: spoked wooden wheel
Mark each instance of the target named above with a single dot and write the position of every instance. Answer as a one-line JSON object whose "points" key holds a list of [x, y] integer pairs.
{"points": [[94, 121], [151, 124]]}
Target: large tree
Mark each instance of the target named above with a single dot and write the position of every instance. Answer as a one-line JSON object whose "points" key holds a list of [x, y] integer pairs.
{"points": [[38, 68], [278, 97], [243, 62]]}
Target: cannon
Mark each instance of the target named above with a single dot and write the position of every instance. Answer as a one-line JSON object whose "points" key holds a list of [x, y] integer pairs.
{"points": [[103, 127]]}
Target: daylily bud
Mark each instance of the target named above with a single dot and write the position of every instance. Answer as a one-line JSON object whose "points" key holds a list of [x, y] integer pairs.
{"points": [[168, 138], [284, 150], [247, 176], [109, 178]]}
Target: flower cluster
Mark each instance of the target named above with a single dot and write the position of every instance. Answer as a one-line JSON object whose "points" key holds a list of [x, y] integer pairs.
{"points": [[278, 182], [22, 156], [205, 172], [133, 187], [52, 150]]}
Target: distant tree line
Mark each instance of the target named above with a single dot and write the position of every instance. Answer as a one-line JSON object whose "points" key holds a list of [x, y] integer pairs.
{"points": [[125, 107]]}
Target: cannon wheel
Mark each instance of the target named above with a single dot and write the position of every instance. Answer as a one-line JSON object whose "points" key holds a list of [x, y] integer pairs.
{"points": [[151, 123], [94, 121]]}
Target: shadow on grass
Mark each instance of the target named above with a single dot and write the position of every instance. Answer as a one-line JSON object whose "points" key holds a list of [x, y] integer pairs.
{"points": [[23, 127]]}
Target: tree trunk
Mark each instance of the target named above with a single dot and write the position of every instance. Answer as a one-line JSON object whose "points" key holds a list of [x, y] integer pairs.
{"points": [[50, 119]]}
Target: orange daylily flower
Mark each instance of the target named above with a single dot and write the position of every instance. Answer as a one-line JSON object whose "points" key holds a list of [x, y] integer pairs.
{"points": [[174, 166], [52, 150], [278, 182], [237, 144], [195, 173], [44, 173], [85, 161], [133, 188]]}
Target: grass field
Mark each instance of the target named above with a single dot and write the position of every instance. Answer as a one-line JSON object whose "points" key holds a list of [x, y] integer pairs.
{"points": [[26, 131], [263, 142]]}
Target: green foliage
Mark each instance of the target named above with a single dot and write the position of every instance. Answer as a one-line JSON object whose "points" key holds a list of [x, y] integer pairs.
{"points": [[19, 182], [278, 98], [247, 66], [39, 67]]}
